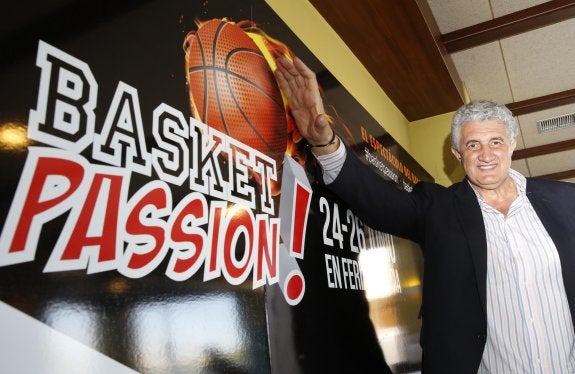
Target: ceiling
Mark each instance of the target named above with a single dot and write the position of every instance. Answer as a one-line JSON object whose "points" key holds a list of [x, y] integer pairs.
{"points": [[427, 55]]}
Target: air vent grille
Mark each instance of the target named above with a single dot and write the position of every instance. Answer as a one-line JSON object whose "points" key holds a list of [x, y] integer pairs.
{"points": [[556, 123]]}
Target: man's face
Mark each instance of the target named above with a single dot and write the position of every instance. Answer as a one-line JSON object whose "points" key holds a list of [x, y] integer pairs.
{"points": [[485, 152]]}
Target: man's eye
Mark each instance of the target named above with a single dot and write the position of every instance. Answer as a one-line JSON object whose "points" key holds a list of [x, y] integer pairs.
{"points": [[472, 146], [496, 143]]}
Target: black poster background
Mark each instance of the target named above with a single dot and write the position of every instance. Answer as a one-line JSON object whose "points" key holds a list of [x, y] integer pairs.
{"points": [[195, 326]]}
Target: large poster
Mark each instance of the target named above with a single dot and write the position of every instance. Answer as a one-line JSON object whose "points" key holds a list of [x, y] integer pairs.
{"points": [[160, 212]]}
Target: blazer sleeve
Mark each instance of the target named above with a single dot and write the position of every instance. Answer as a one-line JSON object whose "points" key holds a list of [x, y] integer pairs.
{"points": [[380, 204]]}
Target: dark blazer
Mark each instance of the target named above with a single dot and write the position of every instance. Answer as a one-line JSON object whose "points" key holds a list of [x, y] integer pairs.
{"points": [[448, 225]]}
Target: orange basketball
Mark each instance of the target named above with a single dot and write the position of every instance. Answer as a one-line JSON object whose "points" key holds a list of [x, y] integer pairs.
{"points": [[232, 88]]}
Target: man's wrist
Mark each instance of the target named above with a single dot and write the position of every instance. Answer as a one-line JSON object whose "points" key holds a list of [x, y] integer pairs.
{"points": [[332, 163], [328, 148], [330, 142]]}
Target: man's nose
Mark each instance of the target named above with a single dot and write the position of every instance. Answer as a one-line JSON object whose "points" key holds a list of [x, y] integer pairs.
{"points": [[486, 154]]}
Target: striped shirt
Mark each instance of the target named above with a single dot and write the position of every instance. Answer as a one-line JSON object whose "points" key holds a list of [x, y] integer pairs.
{"points": [[332, 163], [529, 326]]}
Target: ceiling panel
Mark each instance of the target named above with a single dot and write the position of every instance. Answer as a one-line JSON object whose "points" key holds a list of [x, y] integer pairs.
{"points": [[503, 7], [551, 163], [540, 62], [482, 70], [520, 166], [456, 14], [520, 139]]}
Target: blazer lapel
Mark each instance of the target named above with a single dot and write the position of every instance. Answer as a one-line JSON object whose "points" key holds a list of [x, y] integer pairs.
{"points": [[469, 214]]}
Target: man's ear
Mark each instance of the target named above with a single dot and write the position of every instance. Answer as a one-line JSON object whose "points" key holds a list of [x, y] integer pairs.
{"points": [[456, 153]]}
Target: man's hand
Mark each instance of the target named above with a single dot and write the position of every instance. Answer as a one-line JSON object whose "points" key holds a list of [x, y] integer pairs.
{"points": [[300, 86]]}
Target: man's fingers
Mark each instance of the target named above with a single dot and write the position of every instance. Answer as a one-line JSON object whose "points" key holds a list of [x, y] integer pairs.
{"points": [[283, 83], [295, 73], [286, 74], [287, 67], [302, 69]]}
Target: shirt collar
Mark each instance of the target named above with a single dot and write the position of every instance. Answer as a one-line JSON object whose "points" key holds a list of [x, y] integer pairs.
{"points": [[520, 181]]}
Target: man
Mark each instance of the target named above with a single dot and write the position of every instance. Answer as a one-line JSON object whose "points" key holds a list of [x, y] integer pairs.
{"points": [[499, 248]]}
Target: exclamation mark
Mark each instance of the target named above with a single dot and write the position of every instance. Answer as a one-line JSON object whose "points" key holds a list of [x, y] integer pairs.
{"points": [[294, 211], [300, 213]]}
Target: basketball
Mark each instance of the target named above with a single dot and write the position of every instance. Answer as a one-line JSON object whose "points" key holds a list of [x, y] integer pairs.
{"points": [[232, 88]]}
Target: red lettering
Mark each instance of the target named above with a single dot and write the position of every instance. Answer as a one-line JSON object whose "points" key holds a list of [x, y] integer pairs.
{"points": [[147, 244], [212, 269], [90, 236], [187, 238], [239, 222], [45, 191], [107, 238], [267, 249]]}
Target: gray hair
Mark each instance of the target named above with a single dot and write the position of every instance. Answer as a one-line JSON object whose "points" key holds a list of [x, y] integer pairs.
{"points": [[482, 110]]}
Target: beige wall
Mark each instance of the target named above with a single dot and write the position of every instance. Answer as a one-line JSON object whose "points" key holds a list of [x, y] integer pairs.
{"points": [[423, 139], [430, 146]]}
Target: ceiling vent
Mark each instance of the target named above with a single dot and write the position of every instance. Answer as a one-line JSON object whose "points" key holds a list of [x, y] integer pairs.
{"points": [[556, 123]]}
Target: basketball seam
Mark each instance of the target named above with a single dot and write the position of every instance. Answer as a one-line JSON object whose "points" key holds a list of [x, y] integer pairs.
{"points": [[201, 45], [232, 52], [230, 55], [241, 77], [214, 54]]}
